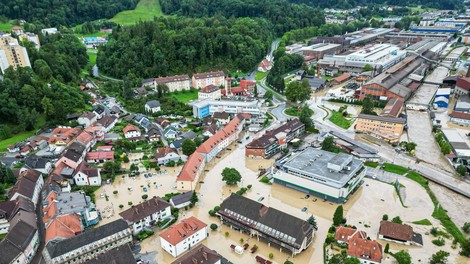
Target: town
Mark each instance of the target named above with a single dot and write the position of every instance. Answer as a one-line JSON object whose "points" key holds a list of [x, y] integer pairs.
{"points": [[341, 144]]}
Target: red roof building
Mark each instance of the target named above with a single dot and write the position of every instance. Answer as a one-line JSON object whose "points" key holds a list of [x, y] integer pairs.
{"points": [[179, 238], [100, 156]]}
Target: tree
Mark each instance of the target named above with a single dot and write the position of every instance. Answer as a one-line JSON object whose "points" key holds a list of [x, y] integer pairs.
{"points": [[368, 106], [304, 116], [462, 170], [343, 259], [367, 68], [385, 217], [255, 91], [402, 257], [439, 257], [134, 167], [466, 227], [397, 220], [387, 248], [112, 166], [296, 91], [197, 141], [268, 95], [231, 176], [338, 216], [213, 226], [194, 198], [188, 146], [328, 144]]}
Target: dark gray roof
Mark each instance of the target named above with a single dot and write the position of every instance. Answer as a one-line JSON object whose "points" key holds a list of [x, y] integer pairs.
{"points": [[9, 252], [19, 237], [268, 216], [221, 115], [36, 162], [58, 248], [177, 143], [144, 209], [190, 134], [316, 82], [119, 255], [74, 151], [153, 103], [182, 198], [383, 118], [199, 254]]}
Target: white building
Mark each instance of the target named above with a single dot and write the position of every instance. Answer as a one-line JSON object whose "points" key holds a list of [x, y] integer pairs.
{"points": [[87, 119], [181, 237], [49, 31], [210, 92], [174, 83], [145, 214], [87, 175], [28, 186], [131, 131], [208, 107], [152, 106], [327, 175]]}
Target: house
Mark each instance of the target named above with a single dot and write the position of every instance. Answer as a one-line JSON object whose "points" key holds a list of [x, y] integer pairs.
{"points": [[87, 119], [119, 255], [100, 111], [222, 117], [99, 156], [87, 175], [342, 78], [210, 130], [189, 134], [153, 133], [28, 185], [63, 227], [200, 80], [152, 106], [177, 144], [399, 233], [131, 131], [9, 209], [107, 123], [273, 141], [462, 86], [200, 254], [265, 65], [170, 132], [266, 223], [384, 127], [62, 136], [210, 91], [72, 156], [316, 84], [179, 238], [88, 245], [165, 155], [21, 242], [174, 83], [248, 85], [460, 118], [359, 246], [86, 139], [143, 215], [39, 164], [181, 200], [189, 174], [162, 122]]}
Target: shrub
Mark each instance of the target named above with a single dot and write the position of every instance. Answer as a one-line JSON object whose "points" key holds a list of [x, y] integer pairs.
{"points": [[439, 242], [466, 227], [332, 229], [385, 217], [216, 208], [242, 240], [145, 196], [271, 255], [434, 231], [121, 206], [227, 234], [288, 262], [129, 203], [213, 226], [397, 220], [387, 247], [249, 186], [211, 212]]}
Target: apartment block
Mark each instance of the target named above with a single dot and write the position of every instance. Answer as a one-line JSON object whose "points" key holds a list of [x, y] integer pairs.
{"points": [[12, 54], [200, 80], [384, 127]]}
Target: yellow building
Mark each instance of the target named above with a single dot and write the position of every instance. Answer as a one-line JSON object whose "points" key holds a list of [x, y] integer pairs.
{"points": [[12, 54], [387, 128], [201, 80]]}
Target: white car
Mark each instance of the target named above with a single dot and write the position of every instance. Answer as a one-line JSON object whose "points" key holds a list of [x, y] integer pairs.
{"points": [[102, 195]]}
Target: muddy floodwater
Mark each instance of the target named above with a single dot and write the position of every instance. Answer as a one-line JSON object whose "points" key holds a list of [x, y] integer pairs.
{"points": [[364, 208]]}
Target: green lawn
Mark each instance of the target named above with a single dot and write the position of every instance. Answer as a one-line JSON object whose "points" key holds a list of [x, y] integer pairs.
{"points": [[6, 26], [260, 75], [394, 168], [422, 222], [145, 10], [293, 111], [371, 164], [21, 136], [185, 96], [338, 119], [92, 57]]}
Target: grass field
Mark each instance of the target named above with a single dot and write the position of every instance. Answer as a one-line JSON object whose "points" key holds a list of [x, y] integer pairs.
{"points": [[371, 164], [422, 222], [260, 75], [184, 97], [338, 119], [293, 111], [145, 10], [6, 26], [394, 168], [92, 57], [21, 136]]}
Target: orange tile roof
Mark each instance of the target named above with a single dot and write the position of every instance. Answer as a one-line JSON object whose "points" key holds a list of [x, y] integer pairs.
{"points": [[343, 234], [130, 128], [64, 226], [65, 134], [85, 138], [191, 167], [362, 248], [108, 155], [343, 77], [179, 232], [245, 83]]}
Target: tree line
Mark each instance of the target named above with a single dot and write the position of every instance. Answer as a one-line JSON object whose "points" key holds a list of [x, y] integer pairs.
{"points": [[347, 4], [176, 45], [63, 12]]}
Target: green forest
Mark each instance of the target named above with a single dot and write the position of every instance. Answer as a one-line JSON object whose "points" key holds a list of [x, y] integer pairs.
{"points": [[345, 4], [176, 45], [63, 12]]}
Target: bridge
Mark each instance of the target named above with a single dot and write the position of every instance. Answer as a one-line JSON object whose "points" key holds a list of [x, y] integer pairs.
{"points": [[438, 63]]}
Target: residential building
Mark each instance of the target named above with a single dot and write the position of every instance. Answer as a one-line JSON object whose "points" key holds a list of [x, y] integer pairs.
{"points": [[86, 139], [143, 215], [209, 130], [460, 118], [39, 164], [62, 136], [107, 123], [9, 209], [204, 108], [87, 175], [200, 254], [170, 132], [72, 156], [12, 54], [200, 80], [28, 186], [63, 227], [356, 148], [265, 66], [189, 135], [384, 127], [87, 119], [248, 85], [181, 200], [179, 238], [152, 106], [177, 144], [189, 175], [462, 86], [460, 148], [399, 233], [119, 255], [209, 92], [222, 117], [49, 31], [316, 84], [131, 131], [379, 56], [267, 224], [327, 175], [393, 108], [174, 83], [366, 250], [273, 141], [153, 133], [99, 156], [166, 154], [88, 245], [31, 37]]}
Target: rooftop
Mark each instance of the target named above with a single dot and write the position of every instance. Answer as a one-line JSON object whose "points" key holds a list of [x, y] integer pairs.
{"points": [[176, 78], [176, 233], [208, 75], [182, 198], [119, 255], [393, 107], [383, 118], [144, 209], [199, 254]]}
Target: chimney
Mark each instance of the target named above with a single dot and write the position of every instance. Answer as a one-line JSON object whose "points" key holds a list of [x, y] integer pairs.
{"points": [[194, 261], [204, 255], [228, 85]]}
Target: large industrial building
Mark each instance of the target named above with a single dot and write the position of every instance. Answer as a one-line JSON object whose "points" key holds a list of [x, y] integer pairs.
{"points": [[327, 175], [208, 107]]}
